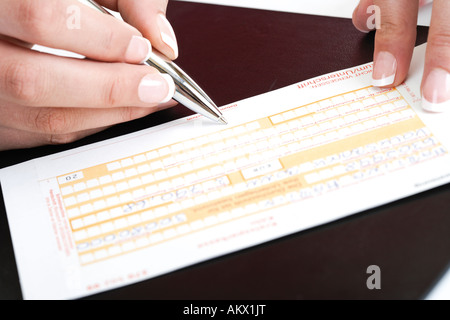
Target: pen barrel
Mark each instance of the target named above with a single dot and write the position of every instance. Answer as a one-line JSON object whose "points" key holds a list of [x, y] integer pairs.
{"points": [[187, 92], [94, 5]]}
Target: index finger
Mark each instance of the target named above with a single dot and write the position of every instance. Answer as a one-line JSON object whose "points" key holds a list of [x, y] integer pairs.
{"points": [[72, 26], [394, 39]]}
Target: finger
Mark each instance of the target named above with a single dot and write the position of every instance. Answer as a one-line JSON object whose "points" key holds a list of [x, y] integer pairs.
{"points": [[17, 139], [394, 41], [149, 16], [36, 129], [436, 78], [395, 23], [363, 18], [58, 121], [16, 42], [37, 79], [364, 15], [72, 26]]}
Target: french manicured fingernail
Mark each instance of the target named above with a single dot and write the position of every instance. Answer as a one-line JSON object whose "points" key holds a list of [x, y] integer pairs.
{"points": [[156, 88], [167, 34], [436, 91], [384, 69], [138, 50], [361, 30]]}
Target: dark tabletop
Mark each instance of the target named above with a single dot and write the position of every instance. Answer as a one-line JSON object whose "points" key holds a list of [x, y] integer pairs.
{"points": [[236, 53]]}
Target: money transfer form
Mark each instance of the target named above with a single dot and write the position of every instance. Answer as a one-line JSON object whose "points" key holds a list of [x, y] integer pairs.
{"points": [[141, 205]]}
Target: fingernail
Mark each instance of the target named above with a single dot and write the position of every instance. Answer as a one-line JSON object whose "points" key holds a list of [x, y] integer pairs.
{"points": [[360, 29], [436, 91], [167, 34], [138, 51], [384, 69], [156, 88]]}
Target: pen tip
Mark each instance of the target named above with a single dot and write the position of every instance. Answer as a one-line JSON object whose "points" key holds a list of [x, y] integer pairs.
{"points": [[222, 120]]}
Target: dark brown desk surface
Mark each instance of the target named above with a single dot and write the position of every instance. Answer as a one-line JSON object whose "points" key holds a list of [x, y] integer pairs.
{"points": [[236, 53]]}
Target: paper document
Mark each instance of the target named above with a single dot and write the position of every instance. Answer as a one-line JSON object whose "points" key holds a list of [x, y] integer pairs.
{"points": [[145, 204], [442, 289]]}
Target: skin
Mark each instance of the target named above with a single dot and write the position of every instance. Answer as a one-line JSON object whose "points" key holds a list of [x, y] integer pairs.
{"points": [[47, 99], [397, 35]]}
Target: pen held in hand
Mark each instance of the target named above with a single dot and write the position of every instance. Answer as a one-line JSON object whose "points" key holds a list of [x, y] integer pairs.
{"points": [[187, 92]]}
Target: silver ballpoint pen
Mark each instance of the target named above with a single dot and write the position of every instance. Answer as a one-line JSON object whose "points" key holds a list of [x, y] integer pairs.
{"points": [[187, 92]]}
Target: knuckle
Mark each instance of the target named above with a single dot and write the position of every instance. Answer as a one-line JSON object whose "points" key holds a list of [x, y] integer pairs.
{"points": [[127, 114], [396, 30], [21, 82], [391, 27], [51, 121], [132, 113], [113, 92], [107, 40], [58, 139], [440, 40], [34, 17]]}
